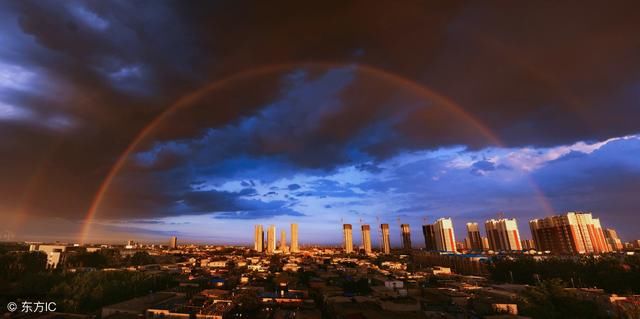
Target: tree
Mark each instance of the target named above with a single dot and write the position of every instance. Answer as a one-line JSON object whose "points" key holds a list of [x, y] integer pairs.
{"points": [[141, 258]]}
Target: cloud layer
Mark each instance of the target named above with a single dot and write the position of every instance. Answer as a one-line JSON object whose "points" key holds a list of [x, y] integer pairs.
{"points": [[314, 141]]}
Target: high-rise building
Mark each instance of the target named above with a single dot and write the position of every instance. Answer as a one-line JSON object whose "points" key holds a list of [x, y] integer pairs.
{"points": [[528, 244], [573, 233], [503, 234], [366, 239], [445, 237], [473, 234], [613, 240], [429, 237], [386, 242], [271, 239], [348, 238], [258, 239], [485, 243], [173, 243], [406, 236], [283, 241], [294, 238]]}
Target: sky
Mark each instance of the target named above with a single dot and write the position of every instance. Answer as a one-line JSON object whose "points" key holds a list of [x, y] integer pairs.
{"points": [[143, 120]]}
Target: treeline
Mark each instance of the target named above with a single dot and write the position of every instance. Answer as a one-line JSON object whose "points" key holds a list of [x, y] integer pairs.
{"points": [[84, 292], [614, 274], [24, 276], [88, 292]]}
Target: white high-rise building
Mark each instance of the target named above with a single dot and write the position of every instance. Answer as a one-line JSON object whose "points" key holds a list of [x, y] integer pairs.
{"points": [[503, 234], [474, 238], [283, 241], [348, 238], [294, 238], [258, 241], [445, 237], [271, 239], [366, 238], [386, 241]]}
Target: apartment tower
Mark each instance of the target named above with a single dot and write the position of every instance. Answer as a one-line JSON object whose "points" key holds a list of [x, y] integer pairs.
{"points": [[271, 239], [173, 243], [366, 238], [294, 238], [258, 239], [348, 238], [503, 234], [573, 233], [406, 236], [386, 243], [445, 237], [474, 241], [429, 237]]}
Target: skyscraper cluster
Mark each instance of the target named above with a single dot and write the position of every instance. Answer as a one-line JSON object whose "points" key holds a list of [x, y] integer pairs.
{"points": [[269, 246], [572, 233]]}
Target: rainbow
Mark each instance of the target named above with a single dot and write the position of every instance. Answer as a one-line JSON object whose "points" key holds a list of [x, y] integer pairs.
{"points": [[194, 96]]}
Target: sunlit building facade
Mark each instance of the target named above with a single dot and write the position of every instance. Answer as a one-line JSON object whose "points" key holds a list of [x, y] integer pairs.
{"points": [[573, 233], [386, 240], [294, 238], [445, 236], [474, 241], [173, 243], [366, 238], [258, 239], [271, 239], [348, 238], [503, 234], [615, 244]]}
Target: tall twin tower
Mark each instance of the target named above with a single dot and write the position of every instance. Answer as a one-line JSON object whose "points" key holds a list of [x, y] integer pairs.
{"points": [[269, 246]]}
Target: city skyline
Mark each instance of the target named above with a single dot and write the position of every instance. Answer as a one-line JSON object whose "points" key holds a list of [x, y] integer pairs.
{"points": [[108, 131]]}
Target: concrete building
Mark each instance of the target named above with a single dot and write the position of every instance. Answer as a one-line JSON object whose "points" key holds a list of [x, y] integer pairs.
{"points": [[429, 237], [615, 244], [573, 233], [56, 254], [294, 238], [283, 241], [528, 244], [503, 234], [271, 239], [348, 238], [445, 237], [173, 242], [485, 243], [258, 241], [366, 239], [386, 242], [474, 238], [406, 236]]}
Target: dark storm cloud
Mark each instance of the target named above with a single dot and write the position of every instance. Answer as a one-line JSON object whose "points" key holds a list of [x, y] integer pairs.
{"points": [[103, 70]]}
